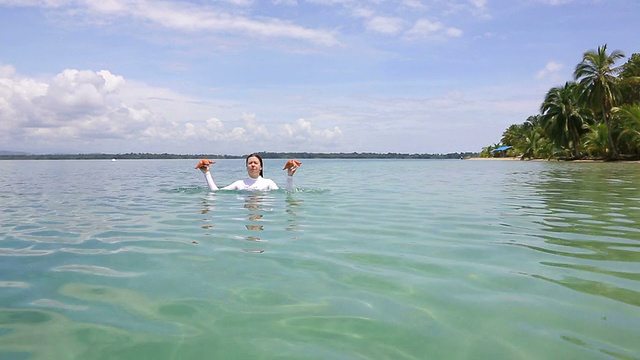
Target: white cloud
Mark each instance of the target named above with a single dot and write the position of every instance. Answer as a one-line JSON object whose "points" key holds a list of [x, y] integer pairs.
{"points": [[479, 8], [254, 128], [183, 18], [480, 4], [489, 35], [39, 3], [80, 108], [384, 25], [240, 2], [188, 17], [415, 4], [362, 12], [303, 131], [550, 70], [285, 2], [425, 29], [555, 2], [235, 17], [93, 112], [381, 24]]}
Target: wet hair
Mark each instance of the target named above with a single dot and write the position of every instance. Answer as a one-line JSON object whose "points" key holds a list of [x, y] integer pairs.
{"points": [[259, 158]]}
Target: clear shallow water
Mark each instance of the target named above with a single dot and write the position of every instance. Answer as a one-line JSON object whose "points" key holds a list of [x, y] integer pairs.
{"points": [[371, 259]]}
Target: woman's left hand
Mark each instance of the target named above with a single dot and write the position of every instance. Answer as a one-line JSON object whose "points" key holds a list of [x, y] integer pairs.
{"points": [[292, 165], [292, 170]]}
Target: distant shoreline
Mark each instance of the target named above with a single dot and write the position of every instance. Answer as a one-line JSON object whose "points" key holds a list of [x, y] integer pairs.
{"points": [[265, 155], [292, 155]]}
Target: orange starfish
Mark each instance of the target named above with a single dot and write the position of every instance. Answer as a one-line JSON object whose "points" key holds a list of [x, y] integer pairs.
{"points": [[291, 163], [204, 162]]}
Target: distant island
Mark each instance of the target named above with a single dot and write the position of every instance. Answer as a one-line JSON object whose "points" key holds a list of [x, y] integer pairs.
{"points": [[6, 155]]}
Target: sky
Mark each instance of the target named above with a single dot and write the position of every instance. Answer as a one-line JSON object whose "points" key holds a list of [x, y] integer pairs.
{"points": [[241, 76]]}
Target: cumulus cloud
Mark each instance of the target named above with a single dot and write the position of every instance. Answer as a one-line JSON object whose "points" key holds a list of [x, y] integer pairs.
{"points": [[254, 128], [72, 106], [303, 131], [76, 108], [258, 135]]}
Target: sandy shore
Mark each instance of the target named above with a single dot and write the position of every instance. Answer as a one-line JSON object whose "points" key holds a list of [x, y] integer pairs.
{"points": [[500, 159], [573, 161]]}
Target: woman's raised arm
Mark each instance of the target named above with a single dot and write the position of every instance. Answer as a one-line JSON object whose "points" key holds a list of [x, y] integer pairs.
{"points": [[203, 165], [291, 166]]}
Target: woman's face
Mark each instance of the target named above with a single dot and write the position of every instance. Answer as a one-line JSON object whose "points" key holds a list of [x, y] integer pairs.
{"points": [[253, 167]]}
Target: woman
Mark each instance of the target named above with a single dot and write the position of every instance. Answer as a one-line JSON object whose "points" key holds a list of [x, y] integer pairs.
{"points": [[255, 180]]}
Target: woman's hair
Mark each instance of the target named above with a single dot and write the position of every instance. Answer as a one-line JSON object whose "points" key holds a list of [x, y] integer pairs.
{"points": [[259, 158]]}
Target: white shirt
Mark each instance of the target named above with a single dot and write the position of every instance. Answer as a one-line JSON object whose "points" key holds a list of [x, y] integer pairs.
{"points": [[259, 184]]}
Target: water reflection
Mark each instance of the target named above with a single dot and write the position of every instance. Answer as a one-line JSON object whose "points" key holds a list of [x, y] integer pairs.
{"points": [[208, 206], [590, 227], [294, 211], [254, 204], [264, 216]]}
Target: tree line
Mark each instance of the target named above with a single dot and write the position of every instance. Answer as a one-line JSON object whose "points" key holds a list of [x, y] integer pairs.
{"points": [[594, 116], [265, 155]]}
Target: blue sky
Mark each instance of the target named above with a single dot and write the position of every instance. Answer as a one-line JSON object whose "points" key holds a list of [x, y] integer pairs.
{"points": [[239, 76]]}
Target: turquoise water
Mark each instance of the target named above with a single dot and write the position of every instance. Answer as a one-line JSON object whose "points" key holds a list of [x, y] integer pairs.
{"points": [[367, 259]]}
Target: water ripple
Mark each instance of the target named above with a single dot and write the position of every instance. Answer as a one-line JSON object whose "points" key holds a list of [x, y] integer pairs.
{"points": [[15, 284], [57, 304], [96, 270], [134, 249], [28, 251]]}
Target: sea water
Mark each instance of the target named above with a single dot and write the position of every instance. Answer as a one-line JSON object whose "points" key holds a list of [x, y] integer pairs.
{"points": [[365, 259]]}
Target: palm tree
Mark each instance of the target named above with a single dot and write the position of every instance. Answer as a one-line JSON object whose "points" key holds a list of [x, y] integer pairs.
{"points": [[534, 143], [563, 120], [532, 123], [511, 135], [596, 140], [488, 151], [520, 136], [630, 80], [629, 119], [598, 84]]}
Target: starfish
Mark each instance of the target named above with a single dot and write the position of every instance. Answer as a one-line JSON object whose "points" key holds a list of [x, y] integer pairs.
{"points": [[204, 162], [291, 163]]}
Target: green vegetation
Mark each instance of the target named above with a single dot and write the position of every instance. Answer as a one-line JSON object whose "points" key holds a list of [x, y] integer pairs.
{"points": [[596, 116], [266, 155]]}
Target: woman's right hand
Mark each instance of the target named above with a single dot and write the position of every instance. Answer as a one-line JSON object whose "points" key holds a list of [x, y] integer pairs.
{"points": [[203, 165]]}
